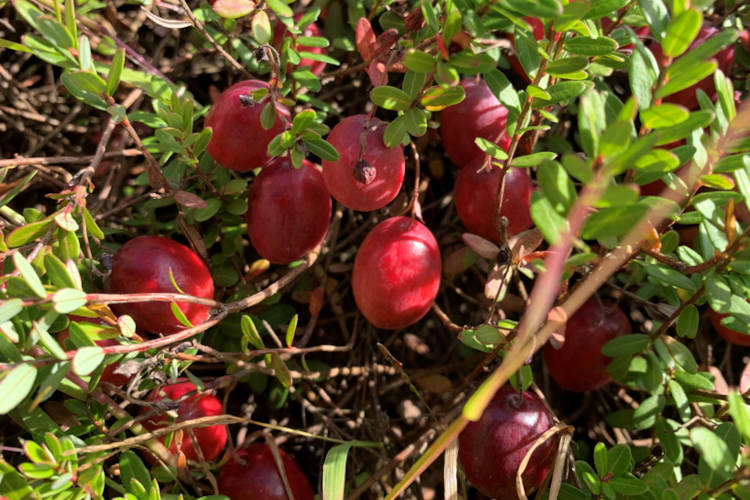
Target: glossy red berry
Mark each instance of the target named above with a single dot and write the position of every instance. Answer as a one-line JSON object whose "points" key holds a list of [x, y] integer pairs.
{"points": [[480, 114], [253, 475], [491, 449], [211, 439], [108, 375], [143, 265], [724, 58], [580, 365], [396, 273], [316, 67], [368, 175], [239, 141], [731, 336], [288, 210], [476, 198]]}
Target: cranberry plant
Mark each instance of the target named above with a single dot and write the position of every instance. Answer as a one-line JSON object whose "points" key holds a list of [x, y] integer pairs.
{"points": [[538, 157]]}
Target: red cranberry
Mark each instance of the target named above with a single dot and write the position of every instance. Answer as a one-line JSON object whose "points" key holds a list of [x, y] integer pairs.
{"points": [[724, 58], [480, 114], [579, 364], [142, 266], [108, 375], [211, 439], [367, 175], [253, 475], [491, 449], [280, 31], [396, 273], [288, 210], [731, 336], [239, 141], [476, 199]]}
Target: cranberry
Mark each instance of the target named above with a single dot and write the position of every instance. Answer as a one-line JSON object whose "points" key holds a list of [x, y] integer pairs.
{"points": [[731, 336], [491, 449], [579, 364], [476, 199], [396, 273], [724, 58], [108, 375], [480, 114], [143, 265], [280, 31], [367, 175], [288, 210], [211, 439], [239, 141], [253, 475]]}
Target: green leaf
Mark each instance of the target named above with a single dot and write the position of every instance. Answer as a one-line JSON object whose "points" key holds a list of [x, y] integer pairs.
{"points": [[550, 223], [57, 34], [686, 79], [80, 84], [334, 472], [29, 275], [430, 16], [280, 8], [628, 486], [642, 75], [91, 226], [664, 115], [413, 82], [396, 132], [681, 32], [179, 315], [697, 119], [538, 93], [567, 65], [290, 331], [591, 121], [556, 186], [657, 16], [588, 476], [416, 122], [503, 89], [714, 451], [17, 189], [419, 61], [115, 72], [587, 46], [491, 148], [650, 408], [703, 51], [87, 359], [687, 322], [28, 233], [67, 300], [388, 97], [669, 276], [533, 159], [281, 371], [268, 115], [319, 147], [15, 385], [261, 28], [680, 400], [738, 412], [250, 332], [600, 458], [7, 44], [626, 345], [232, 9], [613, 222], [9, 308], [132, 469], [619, 460], [438, 98]]}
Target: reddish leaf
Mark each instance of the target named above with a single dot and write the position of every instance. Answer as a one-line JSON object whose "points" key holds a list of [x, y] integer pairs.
{"points": [[385, 41], [414, 21], [189, 200], [365, 38], [377, 73], [443, 48]]}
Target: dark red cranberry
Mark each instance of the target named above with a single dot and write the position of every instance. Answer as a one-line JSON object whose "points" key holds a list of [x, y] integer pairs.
{"points": [[579, 364], [211, 439], [239, 141], [491, 449], [396, 273], [480, 114], [253, 475], [476, 198], [143, 265], [368, 175]]}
